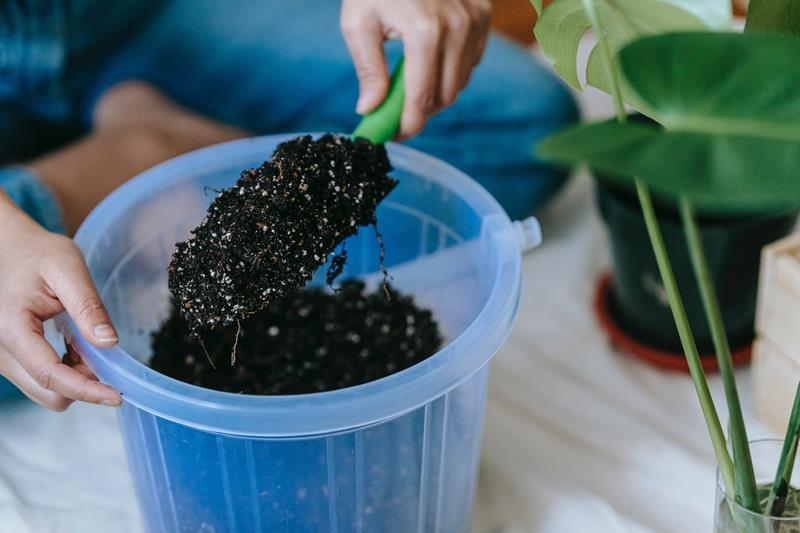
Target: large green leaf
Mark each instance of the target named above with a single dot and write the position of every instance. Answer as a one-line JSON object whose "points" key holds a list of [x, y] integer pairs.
{"points": [[564, 22], [724, 174], [718, 83], [730, 109], [774, 15]]}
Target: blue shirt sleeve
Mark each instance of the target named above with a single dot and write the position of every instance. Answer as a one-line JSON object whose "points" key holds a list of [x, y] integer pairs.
{"points": [[32, 196]]}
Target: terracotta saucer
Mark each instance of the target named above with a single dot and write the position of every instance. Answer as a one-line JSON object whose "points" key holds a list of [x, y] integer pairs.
{"points": [[662, 359]]}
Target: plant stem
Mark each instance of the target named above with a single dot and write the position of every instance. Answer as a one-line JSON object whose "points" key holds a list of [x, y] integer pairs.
{"points": [[779, 489], [687, 339], [746, 489], [668, 277]]}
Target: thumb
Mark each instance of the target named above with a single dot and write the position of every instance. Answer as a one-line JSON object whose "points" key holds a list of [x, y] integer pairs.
{"points": [[365, 41], [75, 289]]}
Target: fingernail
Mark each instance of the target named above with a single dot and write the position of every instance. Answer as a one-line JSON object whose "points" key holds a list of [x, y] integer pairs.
{"points": [[116, 402], [362, 106], [105, 333]]}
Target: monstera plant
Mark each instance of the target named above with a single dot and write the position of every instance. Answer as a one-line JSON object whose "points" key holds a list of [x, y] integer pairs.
{"points": [[723, 137], [635, 300]]}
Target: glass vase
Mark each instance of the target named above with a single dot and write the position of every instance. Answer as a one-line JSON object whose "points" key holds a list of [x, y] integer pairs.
{"points": [[730, 517]]}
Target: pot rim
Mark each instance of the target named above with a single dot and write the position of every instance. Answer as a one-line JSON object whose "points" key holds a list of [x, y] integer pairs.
{"points": [[668, 213]]}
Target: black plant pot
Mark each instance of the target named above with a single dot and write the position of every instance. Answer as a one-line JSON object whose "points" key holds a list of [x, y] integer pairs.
{"points": [[637, 301]]}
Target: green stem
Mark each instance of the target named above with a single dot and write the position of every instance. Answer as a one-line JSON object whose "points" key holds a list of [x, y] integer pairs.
{"points": [[746, 489], [665, 268], [783, 477], [687, 339]]}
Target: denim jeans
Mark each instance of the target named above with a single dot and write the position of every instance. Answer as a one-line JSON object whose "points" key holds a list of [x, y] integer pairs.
{"points": [[266, 65]]}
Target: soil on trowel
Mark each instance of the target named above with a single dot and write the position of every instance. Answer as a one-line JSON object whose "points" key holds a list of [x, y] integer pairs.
{"points": [[312, 340], [266, 236]]}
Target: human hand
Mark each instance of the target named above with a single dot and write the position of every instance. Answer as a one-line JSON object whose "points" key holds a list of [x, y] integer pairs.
{"points": [[443, 41], [41, 275]]}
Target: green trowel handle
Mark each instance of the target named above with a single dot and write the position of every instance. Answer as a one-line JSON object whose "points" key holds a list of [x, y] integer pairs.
{"points": [[382, 124]]}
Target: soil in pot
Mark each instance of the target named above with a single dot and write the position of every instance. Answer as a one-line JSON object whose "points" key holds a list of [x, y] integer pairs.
{"points": [[733, 246], [313, 340]]}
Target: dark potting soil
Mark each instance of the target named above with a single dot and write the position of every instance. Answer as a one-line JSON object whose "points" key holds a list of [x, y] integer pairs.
{"points": [[312, 340], [267, 235]]}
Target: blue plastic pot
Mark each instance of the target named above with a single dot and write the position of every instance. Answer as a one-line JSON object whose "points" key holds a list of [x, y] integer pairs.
{"points": [[395, 455]]}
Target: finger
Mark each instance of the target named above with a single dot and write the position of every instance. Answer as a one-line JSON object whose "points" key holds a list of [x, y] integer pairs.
{"points": [[42, 364], [83, 370], [73, 286], [364, 38], [74, 360], [423, 69], [457, 57], [480, 41], [13, 371], [473, 58]]}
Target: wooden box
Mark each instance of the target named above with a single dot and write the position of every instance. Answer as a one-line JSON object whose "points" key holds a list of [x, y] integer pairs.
{"points": [[776, 353]]}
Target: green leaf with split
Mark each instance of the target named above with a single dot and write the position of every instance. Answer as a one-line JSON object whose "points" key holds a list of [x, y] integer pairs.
{"points": [[537, 5], [563, 23], [730, 109]]}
